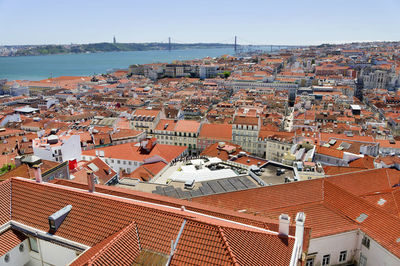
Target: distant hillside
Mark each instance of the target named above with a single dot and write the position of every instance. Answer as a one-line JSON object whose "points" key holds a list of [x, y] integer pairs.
{"points": [[110, 47]]}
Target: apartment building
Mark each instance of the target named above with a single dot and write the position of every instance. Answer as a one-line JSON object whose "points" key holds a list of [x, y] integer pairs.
{"points": [[272, 145], [58, 148], [245, 131], [178, 133], [128, 157], [145, 119], [212, 133]]}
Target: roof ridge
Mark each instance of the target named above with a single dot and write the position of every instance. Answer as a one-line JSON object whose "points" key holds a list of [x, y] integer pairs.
{"points": [[348, 173], [392, 193], [360, 199], [228, 247], [163, 207]]}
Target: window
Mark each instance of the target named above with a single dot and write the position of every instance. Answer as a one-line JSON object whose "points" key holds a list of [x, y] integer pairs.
{"points": [[33, 244], [118, 162], [326, 260], [130, 163], [112, 161], [7, 258], [342, 256], [310, 262], [365, 241]]}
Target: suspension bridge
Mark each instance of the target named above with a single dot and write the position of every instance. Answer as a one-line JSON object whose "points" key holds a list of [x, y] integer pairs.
{"points": [[238, 44]]}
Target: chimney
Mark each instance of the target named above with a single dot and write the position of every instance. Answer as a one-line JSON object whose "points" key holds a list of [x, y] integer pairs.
{"points": [[284, 221], [38, 173], [300, 218], [90, 181], [17, 161]]}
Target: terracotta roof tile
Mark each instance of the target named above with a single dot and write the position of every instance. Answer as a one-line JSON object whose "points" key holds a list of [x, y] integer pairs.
{"points": [[9, 240], [201, 243], [131, 151], [256, 252], [120, 248], [5, 201], [221, 132], [187, 126], [109, 224]]}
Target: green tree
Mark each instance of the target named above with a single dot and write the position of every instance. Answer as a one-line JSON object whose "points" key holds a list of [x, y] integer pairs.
{"points": [[6, 168], [226, 74]]}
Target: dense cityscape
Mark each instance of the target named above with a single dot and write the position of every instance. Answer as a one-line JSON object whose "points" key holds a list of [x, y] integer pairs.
{"points": [[257, 158]]}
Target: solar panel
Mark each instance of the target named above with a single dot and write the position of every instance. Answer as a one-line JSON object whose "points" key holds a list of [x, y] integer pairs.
{"points": [[216, 187], [172, 194], [196, 193], [247, 182], [205, 188], [237, 184], [226, 185]]}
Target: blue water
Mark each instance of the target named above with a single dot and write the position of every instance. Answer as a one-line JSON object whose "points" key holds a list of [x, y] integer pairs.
{"points": [[42, 67]]}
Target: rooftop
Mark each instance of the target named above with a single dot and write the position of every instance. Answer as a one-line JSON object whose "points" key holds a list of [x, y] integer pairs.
{"points": [[112, 233]]}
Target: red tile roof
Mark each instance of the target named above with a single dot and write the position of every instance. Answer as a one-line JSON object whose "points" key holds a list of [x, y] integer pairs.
{"points": [[9, 240], [246, 120], [113, 225], [120, 248], [5, 201], [332, 205], [145, 172], [330, 152], [187, 126], [131, 151], [103, 174], [213, 150], [147, 112], [221, 132]]}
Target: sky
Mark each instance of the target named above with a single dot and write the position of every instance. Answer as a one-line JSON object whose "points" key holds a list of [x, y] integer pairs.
{"points": [[290, 22]]}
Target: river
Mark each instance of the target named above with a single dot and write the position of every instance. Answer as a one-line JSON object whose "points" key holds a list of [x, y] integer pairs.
{"points": [[46, 66]]}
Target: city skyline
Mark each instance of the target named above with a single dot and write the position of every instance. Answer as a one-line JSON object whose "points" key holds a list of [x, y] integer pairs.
{"points": [[259, 22]]}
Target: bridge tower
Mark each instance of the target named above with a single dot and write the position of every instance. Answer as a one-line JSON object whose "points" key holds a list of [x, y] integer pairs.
{"points": [[235, 44]]}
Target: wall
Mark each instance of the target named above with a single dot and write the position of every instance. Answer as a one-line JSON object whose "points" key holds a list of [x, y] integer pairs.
{"points": [[128, 166], [71, 149], [51, 254], [376, 254], [351, 242], [17, 257], [333, 245]]}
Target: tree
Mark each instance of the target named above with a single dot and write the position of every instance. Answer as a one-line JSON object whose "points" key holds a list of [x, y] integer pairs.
{"points": [[226, 74], [6, 168]]}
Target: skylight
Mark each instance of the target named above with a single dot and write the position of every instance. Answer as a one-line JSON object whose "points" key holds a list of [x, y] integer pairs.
{"points": [[362, 217], [381, 202]]}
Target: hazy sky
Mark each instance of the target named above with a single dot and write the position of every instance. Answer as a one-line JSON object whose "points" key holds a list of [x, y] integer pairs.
{"points": [[256, 22]]}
